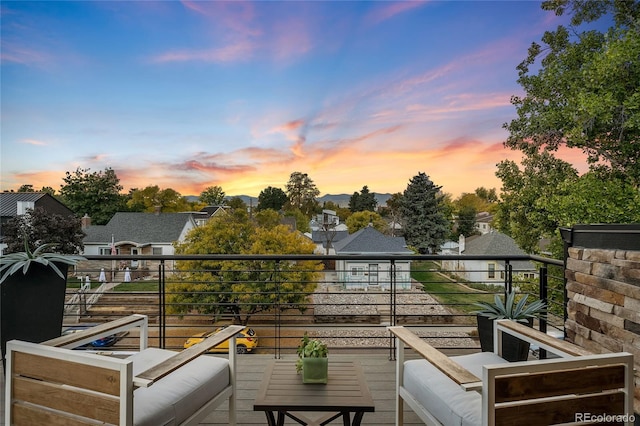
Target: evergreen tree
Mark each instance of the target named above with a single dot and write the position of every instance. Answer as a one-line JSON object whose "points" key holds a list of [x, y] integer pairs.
{"points": [[425, 225], [271, 198], [363, 201]]}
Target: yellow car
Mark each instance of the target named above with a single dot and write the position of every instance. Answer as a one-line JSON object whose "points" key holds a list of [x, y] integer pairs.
{"points": [[246, 341]]}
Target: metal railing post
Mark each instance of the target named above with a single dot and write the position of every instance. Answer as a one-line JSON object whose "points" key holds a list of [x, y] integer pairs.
{"points": [[162, 323], [543, 296]]}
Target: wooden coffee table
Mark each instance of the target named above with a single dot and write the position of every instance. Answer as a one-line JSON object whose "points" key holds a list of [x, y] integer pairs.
{"points": [[283, 392]]}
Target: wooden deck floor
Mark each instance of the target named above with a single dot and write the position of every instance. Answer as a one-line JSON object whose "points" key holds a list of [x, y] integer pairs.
{"points": [[378, 370]]}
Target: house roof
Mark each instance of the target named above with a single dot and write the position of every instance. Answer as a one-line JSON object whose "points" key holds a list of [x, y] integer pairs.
{"points": [[498, 244], [141, 228], [9, 201], [370, 240]]}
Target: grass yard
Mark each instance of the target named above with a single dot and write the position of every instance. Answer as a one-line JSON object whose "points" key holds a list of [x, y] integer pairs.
{"points": [[453, 294], [137, 286]]}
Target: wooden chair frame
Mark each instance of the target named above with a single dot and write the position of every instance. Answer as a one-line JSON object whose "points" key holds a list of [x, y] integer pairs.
{"points": [[48, 383], [541, 391]]}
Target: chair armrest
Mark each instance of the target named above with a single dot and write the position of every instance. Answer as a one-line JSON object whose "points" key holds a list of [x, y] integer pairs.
{"points": [[155, 373], [80, 338], [552, 344], [453, 370]]}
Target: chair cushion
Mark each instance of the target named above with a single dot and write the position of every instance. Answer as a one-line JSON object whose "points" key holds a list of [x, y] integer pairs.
{"points": [[442, 397], [174, 398]]}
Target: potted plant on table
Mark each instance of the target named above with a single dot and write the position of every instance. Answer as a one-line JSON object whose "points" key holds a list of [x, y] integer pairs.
{"points": [[312, 360], [513, 349], [32, 292]]}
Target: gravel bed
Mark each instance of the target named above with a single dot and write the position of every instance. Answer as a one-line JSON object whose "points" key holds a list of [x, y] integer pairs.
{"points": [[413, 302], [380, 338]]}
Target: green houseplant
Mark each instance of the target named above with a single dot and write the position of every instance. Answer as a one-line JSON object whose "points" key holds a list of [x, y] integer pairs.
{"points": [[513, 349], [32, 292], [312, 360]]}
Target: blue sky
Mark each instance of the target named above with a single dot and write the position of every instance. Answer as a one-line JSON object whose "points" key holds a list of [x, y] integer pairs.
{"points": [[186, 95]]}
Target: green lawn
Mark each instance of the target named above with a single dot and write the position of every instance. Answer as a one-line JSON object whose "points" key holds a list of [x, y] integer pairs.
{"points": [[444, 290], [137, 286]]}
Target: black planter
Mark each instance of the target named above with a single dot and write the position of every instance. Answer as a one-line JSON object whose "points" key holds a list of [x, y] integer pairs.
{"points": [[513, 349], [32, 305]]}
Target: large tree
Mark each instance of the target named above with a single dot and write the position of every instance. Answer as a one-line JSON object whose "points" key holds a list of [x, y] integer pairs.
{"points": [[363, 201], [362, 219], [271, 198], [41, 227], [212, 196], [302, 193], [242, 288], [582, 88], [153, 199], [96, 194], [523, 211], [425, 225]]}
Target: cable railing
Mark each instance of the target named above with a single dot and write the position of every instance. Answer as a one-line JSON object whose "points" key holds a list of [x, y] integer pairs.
{"points": [[281, 297]]}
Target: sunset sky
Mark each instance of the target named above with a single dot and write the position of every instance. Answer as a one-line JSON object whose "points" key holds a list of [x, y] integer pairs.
{"points": [[191, 94]]}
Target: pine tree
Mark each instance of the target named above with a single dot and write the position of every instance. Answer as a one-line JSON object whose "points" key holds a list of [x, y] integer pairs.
{"points": [[425, 226]]}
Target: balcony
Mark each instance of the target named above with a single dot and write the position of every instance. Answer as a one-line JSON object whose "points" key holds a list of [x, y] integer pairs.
{"points": [[347, 301]]}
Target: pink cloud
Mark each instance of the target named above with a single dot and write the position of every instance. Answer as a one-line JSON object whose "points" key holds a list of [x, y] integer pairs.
{"points": [[34, 142], [391, 9], [231, 53]]}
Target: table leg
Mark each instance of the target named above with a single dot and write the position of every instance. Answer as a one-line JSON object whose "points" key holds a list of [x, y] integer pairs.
{"points": [[346, 418], [357, 418], [271, 420]]}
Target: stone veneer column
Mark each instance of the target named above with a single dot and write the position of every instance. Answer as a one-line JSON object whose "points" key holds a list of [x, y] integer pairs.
{"points": [[604, 303]]}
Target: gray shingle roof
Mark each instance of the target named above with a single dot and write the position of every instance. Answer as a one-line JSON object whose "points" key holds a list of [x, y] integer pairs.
{"points": [[370, 240], [141, 228], [498, 244]]}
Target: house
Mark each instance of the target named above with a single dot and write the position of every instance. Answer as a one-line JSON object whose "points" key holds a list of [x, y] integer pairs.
{"points": [[372, 274], [488, 271], [139, 234], [483, 222], [14, 204]]}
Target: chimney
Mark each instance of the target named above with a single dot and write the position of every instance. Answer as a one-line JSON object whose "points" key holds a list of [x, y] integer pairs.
{"points": [[158, 210], [85, 221]]}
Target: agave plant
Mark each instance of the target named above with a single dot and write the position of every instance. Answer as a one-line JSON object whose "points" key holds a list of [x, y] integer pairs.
{"points": [[13, 262], [520, 311]]}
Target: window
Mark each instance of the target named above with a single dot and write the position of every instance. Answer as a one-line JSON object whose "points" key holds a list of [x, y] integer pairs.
{"points": [[105, 251], [23, 206], [156, 250], [492, 270], [355, 271]]}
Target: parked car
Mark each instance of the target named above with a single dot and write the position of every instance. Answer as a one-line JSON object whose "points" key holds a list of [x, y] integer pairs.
{"points": [[246, 341], [98, 343]]}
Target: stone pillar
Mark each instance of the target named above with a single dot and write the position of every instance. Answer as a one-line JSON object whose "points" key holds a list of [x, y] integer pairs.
{"points": [[603, 288]]}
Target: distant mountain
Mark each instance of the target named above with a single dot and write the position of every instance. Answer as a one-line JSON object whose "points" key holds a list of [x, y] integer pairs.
{"points": [[340, 199]]}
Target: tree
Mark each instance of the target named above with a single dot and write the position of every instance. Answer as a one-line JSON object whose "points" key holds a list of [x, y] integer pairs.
{"points": [[96, 194], [582, 89], [425, 225], [467, 221], [523, 212], [302, 221], [363, 201], [247, 287], [153, 199], [271, 198], [393, 211], [268, 218], [360, 220], [212, 196], [302, 194], [41, 227], [488, 195]]}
